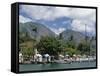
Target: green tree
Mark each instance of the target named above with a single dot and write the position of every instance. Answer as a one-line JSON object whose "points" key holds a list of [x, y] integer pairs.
{"points": [[71, 47], [71, 51], [50, 45], [84, 47], [71, 42]]}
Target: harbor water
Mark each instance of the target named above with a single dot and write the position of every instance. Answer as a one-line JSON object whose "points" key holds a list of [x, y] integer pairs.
{"points": [[50, 66]]}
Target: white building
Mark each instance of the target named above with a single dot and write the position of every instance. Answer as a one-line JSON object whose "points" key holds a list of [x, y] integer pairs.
{"points": [[20, 58]]}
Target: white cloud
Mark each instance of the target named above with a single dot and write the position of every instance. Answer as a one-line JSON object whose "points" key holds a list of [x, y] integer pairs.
{"points": [[23, 19], [58, 31], [80, 16], [51, 13], [45, 13], [36, 12], [82, 26]]}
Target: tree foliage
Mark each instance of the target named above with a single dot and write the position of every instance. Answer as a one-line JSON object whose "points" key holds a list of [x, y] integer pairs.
{"points": [[50, 45], [84, 47]]}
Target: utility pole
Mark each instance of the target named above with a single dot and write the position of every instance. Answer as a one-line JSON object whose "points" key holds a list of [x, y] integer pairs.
{"points": [[86, 37]]}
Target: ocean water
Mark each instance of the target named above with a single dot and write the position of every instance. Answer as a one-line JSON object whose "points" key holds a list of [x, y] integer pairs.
{"points": [[49, 66]]}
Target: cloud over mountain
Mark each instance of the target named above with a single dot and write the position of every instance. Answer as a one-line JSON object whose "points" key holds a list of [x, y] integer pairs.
{"points": [[23, 19], [79, 16]]}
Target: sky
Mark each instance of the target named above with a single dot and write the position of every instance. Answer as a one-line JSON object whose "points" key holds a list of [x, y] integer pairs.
{"points": [[58, 19]]}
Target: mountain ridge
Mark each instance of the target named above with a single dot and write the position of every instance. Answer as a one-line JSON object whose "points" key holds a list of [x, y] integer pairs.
{"points": [[37, 30]]}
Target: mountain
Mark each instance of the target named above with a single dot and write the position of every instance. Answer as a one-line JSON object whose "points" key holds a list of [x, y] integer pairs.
{"points": [[35, 30], [77, 36]]}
